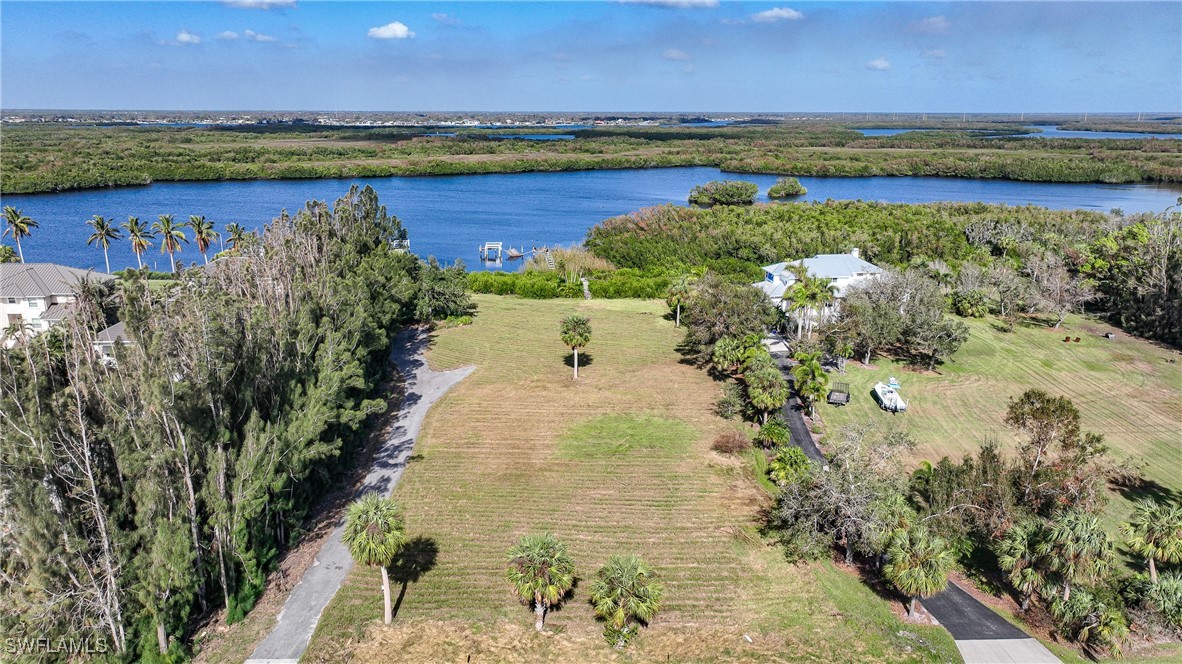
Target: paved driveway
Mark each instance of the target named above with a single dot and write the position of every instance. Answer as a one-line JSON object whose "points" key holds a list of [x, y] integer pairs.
{"points": [[423, 387], [982, 636]]}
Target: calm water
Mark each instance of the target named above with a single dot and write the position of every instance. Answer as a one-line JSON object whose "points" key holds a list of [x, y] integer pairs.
{"points": [[449, 217]]}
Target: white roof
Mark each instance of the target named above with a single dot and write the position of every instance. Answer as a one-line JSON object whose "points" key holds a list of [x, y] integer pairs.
{"points": [[774, 289], [42, 279]]}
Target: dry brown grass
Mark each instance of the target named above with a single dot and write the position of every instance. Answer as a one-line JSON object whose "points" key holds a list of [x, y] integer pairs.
{"points": [[512, 450], [573, 259]]}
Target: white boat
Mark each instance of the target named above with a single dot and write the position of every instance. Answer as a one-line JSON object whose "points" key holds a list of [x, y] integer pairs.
{"points": [[889, 398]]}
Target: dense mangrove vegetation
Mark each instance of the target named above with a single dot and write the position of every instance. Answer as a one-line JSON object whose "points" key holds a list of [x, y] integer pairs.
{"points": [[1009, 260], [56, 157], [149, 489]]}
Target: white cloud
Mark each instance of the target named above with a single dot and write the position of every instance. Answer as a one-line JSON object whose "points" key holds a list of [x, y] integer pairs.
{"points": [[228, 35], [395, 30], [259, 37], [777, 14], [879, 64], [676, 54], [445, 19], [933, 25], [260, 4], [934, 54], [675, 4], [186, 37]]}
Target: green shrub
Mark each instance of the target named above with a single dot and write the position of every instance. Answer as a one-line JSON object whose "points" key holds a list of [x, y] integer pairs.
{"points": [[724, 192], [789, 465], [774, 433], [970, 304], [732, 404], [785, 187]]}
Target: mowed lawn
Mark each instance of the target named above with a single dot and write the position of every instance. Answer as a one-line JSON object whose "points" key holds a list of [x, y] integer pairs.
{"points": [[617, 462], [1124, 388]]}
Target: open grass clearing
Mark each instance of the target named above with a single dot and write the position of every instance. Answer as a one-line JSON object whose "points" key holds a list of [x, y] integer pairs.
{"points": [[1125, 388], [512, 450]]}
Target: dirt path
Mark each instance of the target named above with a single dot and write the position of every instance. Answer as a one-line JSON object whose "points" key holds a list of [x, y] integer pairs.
{"points": [[423, 387]]}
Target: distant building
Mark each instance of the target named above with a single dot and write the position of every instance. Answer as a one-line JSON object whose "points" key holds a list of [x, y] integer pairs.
{"points": [[35, 296], [105, 341], [842, 271]]}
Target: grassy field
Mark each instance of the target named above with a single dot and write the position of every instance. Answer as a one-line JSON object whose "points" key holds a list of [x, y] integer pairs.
{"points": [[1125, 388], [617, 462]]}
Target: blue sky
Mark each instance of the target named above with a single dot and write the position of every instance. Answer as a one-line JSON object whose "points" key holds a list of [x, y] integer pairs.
{"points": [[642, 55]]}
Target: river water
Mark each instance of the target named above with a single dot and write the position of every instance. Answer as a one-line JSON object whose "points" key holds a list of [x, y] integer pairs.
{"points": [[449, 217]]}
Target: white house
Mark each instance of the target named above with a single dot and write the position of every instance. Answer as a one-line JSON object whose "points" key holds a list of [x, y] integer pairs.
{"points": [[34, 296], [842, 270]]}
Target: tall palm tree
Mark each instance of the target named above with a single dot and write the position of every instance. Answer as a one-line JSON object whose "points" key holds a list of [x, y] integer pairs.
{"points": [[17, 225], [172, 235], [374, 534], [541, 573], [1155, 532], [140, 237], [919, 564], [235, 235], [625, 594], [203, 234], [1017, 554], [576, 334], [104, 232], [680, 290], [810, 379], [1077, 547], [817, 293]]}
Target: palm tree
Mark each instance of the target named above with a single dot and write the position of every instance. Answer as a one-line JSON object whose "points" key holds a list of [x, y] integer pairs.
{"points": [[541, 572], [680, 290], [1155, 533], [203, 234], [171, 237], [810, 379], [236, 235], [817, 293], [374, 535], [1077, 547], [104, 232], [919, 564], [576, 334], [625, 594], [1017, 554], [139, 236], [17, 225]]}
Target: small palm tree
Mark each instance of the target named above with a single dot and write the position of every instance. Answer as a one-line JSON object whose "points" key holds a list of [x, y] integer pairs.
{"points": [[374, 534], [576, 334], [235, 235], [919, 564], [680, 290], [1017, 554], [104, 232], [171, 237], [203, 234], [625, 594], [810, 379], [1155, 533], [541, 573], [17, 225], [1077, 547], [140, 237]]}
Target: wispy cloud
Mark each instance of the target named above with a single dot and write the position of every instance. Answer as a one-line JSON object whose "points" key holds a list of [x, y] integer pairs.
{"points": [[445, 19], [934, 54], [878, 64], [777, 14], [259, 37], [674, 4], [228, 35], [676, 54], [184, 37], [932, 25], [260, 4], [395, 30]]}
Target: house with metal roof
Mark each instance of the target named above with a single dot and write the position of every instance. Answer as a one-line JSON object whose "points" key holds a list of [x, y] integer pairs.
{"points": [[842, 270], [35, 296]]}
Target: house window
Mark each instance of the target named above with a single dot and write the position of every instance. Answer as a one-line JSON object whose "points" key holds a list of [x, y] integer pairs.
{"points": [[34, 303], [12, 300]]}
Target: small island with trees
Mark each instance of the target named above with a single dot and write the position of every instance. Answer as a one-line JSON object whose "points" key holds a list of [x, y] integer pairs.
{"points": [[786, 188], [724, 192]]}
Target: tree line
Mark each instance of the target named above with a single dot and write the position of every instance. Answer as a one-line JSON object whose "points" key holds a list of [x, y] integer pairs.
{"points": [[145, 492]]}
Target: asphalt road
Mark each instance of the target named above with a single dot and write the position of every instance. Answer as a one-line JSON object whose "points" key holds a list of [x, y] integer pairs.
{"points": [[982, 636], [423, 387]]}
